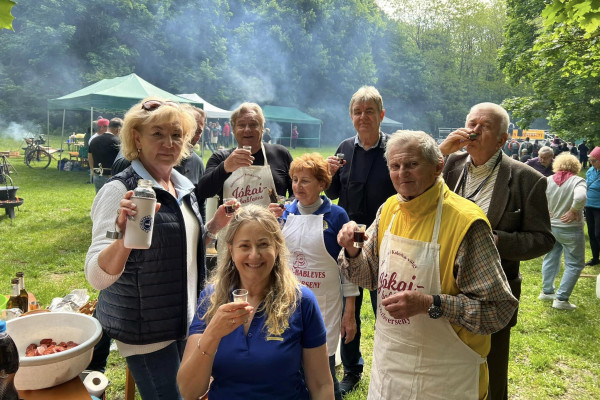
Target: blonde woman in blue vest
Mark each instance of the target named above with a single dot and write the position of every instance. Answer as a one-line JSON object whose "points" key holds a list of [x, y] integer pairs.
{"points": [[441, 290]]}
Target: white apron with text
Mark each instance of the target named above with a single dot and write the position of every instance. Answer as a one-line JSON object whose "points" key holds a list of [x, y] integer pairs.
{"points": [[250, 185], [315, 268], [418, 357]]}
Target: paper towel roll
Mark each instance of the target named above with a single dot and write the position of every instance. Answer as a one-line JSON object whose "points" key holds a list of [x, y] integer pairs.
{"points": [[95, 383]]}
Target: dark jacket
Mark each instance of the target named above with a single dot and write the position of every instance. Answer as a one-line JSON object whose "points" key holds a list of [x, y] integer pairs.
{"points": [[363, 183], [518, 214], [148, 303]]}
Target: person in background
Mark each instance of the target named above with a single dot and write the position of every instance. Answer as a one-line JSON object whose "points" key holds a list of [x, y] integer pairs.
{"points": [[441, 289], [583, 153], [543, 162], [525, 156], [267, 135], [592, 205], [513, 196], [526, 145], [272, 346], [226, 134], [573, 149], [295, 135], [566, 193], [102, 128], [252, 176], [148, 297], [312, 223], [536, 148], [361, 183], [102, 153]]}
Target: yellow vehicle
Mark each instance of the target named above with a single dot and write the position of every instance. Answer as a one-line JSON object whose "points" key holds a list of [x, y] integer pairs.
{"points": [[532, 134]]}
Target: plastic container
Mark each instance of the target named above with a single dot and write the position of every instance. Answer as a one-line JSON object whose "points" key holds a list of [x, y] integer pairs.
{"points": [[9, 364], [598, 286], [138, 231]]}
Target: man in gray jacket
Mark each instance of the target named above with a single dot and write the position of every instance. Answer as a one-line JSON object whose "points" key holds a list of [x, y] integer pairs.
{"points": [[513, 196]]}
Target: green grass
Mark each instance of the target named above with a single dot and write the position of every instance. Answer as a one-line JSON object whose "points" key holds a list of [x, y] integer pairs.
{"points": [[554, 354]]}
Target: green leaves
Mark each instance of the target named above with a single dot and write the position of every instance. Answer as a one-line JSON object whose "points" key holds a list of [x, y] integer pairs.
{"points": [[582, 13], [5, 16]]}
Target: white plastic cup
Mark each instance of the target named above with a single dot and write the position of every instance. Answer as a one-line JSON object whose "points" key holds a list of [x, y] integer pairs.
{"points": [[138, 231]]}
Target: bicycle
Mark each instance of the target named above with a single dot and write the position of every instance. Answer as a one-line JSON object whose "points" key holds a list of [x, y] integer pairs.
{"points": [[35, 155]]}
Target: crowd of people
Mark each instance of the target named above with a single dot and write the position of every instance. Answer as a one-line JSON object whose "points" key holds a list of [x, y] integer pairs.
{"points": [[435, 232]]}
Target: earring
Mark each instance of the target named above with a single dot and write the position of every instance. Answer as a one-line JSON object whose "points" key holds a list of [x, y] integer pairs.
{"points": [[139, 151]]}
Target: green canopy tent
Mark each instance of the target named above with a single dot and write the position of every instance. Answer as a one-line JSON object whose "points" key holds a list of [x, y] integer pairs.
{"points": [[388, 125], [116, 94], [293, 116]]}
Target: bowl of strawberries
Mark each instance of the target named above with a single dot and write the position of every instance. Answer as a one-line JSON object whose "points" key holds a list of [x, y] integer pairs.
{"points": [[54, 347]]}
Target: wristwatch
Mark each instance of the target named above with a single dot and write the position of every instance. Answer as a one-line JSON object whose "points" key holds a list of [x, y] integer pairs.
{"points": [[435, 310]]}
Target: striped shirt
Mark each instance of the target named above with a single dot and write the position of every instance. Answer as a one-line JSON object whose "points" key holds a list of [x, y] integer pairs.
{"points": [[483, 175]]}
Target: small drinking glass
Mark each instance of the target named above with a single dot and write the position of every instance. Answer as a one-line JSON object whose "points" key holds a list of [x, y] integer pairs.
{"points": [[230, 205], [249, 148], [240, 295], [359, 235], [340, 157], [281, 202]]}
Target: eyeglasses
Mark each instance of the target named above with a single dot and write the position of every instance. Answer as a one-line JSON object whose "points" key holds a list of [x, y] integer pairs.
{"points": [[152, 105]]}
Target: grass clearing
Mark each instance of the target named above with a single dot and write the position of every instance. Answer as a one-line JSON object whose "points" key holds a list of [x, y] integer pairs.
{"points": [[554, 354]]}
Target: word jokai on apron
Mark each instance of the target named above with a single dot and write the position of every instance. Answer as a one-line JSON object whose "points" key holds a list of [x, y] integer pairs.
{"points": [[250, 185], [418, 357], [315, 268]]}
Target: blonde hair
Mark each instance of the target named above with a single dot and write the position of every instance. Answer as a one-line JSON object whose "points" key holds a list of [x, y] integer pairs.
{"points": [[315, 164], [138, 117], [566, 162], [283, 293], [366, 94]]}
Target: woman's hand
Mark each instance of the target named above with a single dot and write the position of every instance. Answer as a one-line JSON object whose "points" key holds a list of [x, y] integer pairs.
{"points": [[237, 159], [569, 216], [128, 208], [276, 210], [227, 318]]}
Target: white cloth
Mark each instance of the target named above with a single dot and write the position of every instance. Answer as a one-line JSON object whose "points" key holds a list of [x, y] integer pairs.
{"points": [[250, 185], [315, 268], [418, 357]]}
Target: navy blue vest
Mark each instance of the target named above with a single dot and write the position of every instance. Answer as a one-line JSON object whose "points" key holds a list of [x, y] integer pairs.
{"points": [[148, 303]]}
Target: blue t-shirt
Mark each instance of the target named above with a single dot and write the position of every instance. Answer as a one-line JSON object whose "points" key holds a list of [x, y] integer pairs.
{"points": [[592, 180], [259, 366], [335, 217]]}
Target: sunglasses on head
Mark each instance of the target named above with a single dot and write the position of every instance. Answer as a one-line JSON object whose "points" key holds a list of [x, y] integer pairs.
{"points": [[152, 105]]}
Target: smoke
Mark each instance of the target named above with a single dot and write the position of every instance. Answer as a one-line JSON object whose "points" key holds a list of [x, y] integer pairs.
{"points": [[16, 131]]}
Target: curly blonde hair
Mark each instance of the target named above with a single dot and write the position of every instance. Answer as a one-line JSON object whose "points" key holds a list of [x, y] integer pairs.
{"points": [[138, 117], [315, 164], [284, 290], [566, 162]]}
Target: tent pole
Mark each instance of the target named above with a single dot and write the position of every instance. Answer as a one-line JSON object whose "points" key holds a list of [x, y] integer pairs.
{"points": [[62, 133], [320, 126]]}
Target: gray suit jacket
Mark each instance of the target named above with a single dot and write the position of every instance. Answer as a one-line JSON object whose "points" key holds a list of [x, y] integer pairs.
{"points": [[518, 212]]}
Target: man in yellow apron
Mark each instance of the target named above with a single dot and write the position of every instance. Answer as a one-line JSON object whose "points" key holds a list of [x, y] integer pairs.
{"points": [[441, 290]]}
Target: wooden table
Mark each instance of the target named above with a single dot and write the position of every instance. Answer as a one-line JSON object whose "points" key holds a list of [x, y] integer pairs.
{"points": [[71, 390]]}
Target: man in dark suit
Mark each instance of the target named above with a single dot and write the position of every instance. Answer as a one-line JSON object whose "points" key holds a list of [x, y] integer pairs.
{"points": [[512, 195]]}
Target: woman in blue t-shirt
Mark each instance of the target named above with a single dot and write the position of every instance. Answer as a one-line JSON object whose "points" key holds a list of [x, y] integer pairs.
{"points": [[271, 347]]}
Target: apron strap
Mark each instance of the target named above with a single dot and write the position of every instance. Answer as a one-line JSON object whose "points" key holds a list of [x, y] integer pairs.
{"points": [[262, 146]]}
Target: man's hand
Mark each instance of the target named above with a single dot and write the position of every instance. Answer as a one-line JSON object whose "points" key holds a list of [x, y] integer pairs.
{"points": [[407, 303], [346, 238], [237, 159], [456, 141]]}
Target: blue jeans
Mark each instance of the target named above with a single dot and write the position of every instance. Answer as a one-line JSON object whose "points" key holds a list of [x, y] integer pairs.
{"points": [[571, 241], [155, 374], [99, 181], [351, 357]]}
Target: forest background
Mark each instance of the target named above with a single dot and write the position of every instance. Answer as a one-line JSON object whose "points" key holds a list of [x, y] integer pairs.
{"points": [[430, 59]]}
